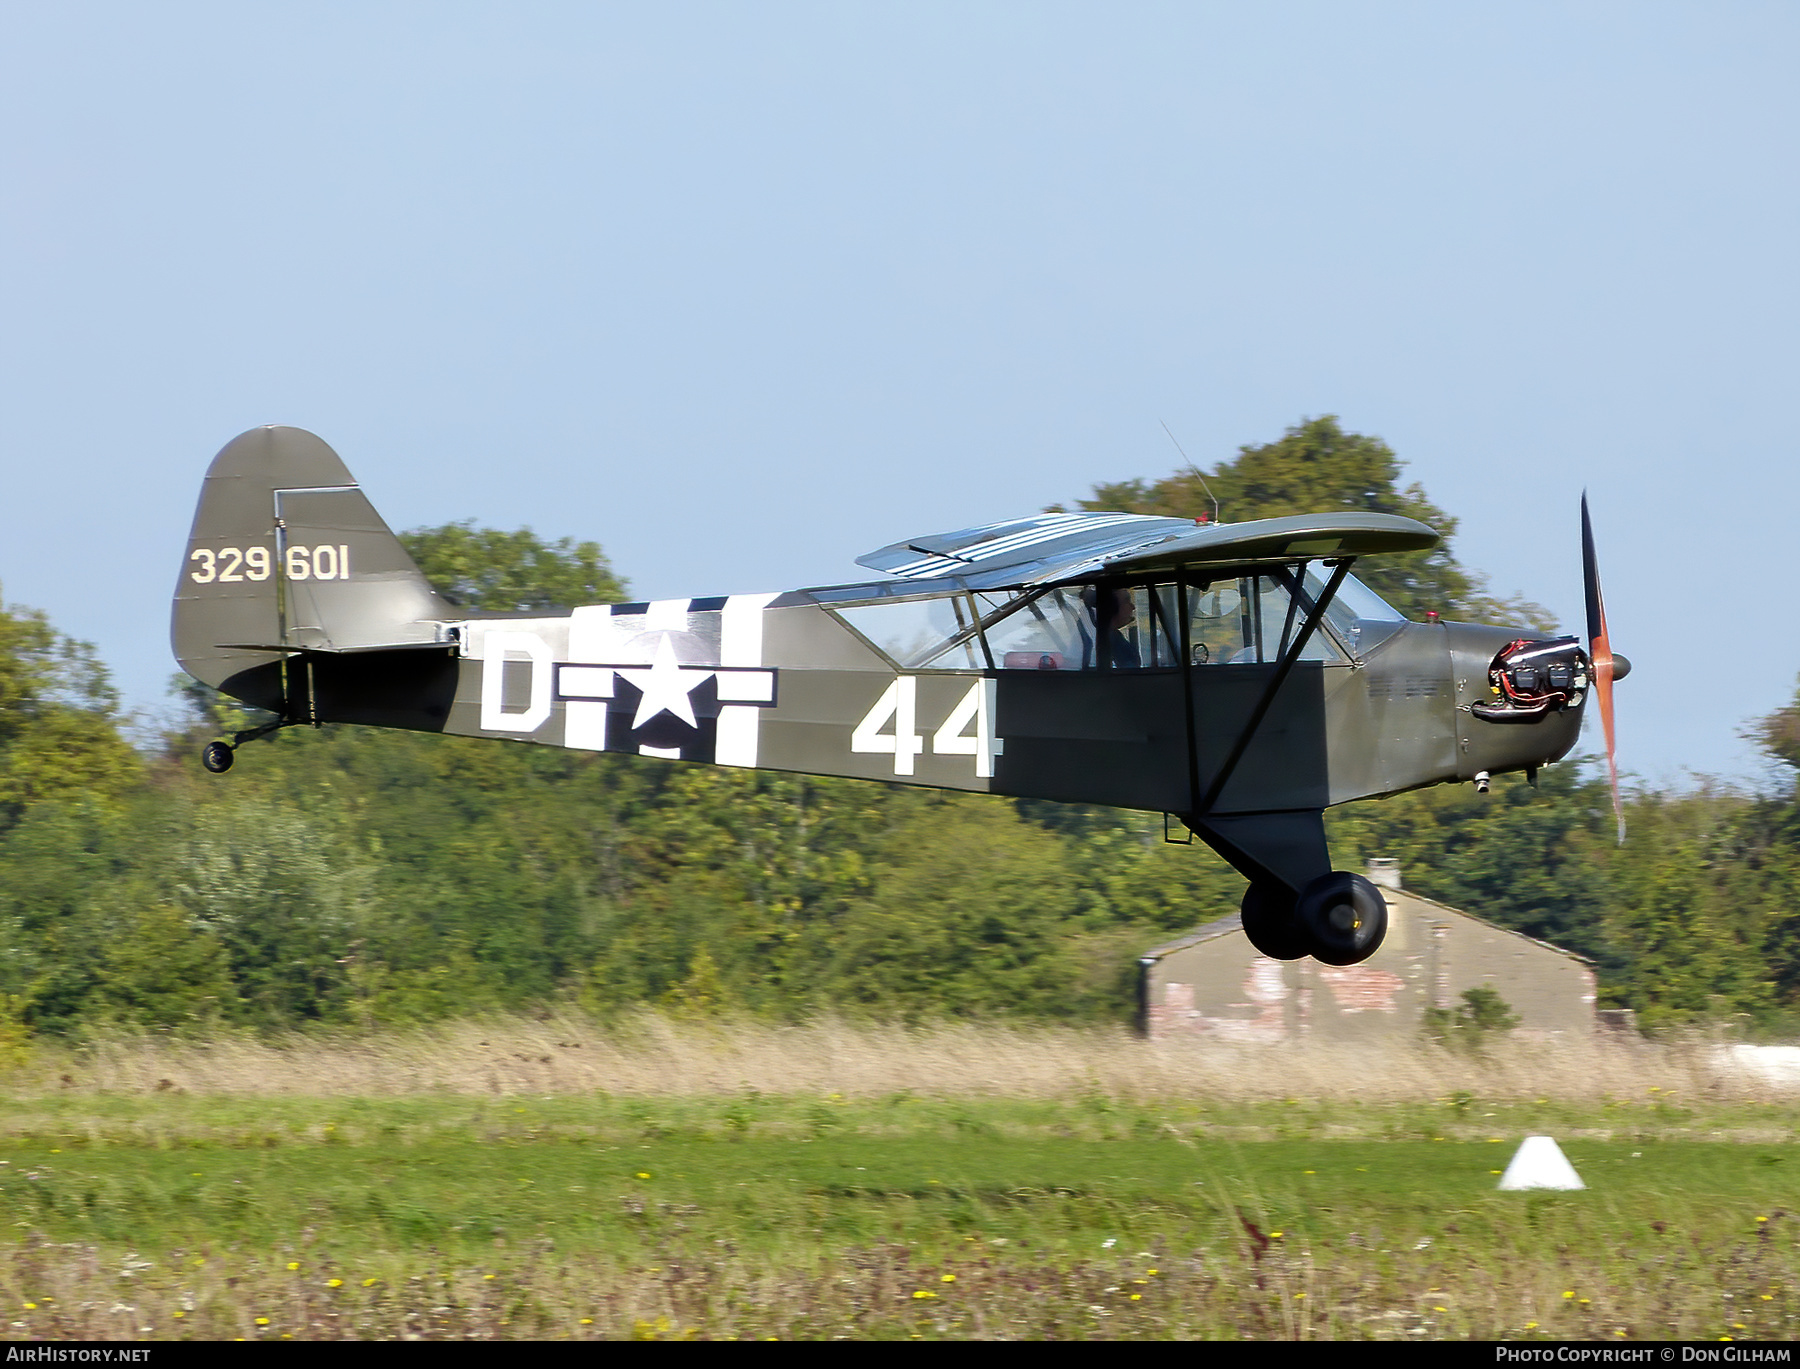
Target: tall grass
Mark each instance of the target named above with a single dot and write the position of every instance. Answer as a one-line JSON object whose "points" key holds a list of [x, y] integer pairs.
{"points": [[656, 1055]]}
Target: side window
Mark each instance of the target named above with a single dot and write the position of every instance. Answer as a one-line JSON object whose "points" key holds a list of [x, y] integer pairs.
{"points": [[1046, 632], [1086, 628], [1251, 619], [937, 632], [1281, 618]]}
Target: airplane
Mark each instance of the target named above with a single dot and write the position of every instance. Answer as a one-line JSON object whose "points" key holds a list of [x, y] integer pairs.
{"points": [[1233, 676]]}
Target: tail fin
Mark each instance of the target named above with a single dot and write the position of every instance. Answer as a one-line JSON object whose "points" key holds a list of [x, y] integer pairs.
{"points": [[287, 556]]}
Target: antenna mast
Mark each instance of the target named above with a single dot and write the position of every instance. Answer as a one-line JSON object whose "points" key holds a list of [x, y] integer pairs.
{"points": [[1196, 470]]}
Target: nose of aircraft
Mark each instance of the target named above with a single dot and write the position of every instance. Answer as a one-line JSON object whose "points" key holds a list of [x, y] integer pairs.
{"points": [[1621, 666]]}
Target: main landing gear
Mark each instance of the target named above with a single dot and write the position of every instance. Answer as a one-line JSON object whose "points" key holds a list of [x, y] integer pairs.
{"points": [[218, 756], [1337, 919]]}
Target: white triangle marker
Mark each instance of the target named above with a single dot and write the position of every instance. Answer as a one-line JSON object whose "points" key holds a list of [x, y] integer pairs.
{"points": [[1540, 1163]]}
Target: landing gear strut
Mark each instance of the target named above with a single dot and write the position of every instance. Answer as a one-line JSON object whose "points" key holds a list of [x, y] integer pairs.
{"points": [[1337, 919], [218, 756]]}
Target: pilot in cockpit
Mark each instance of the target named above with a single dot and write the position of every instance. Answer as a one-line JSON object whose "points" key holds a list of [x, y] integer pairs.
{"points": [[1112, 612]]}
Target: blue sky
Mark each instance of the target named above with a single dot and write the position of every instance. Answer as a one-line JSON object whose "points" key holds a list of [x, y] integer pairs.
{"points": [[744, 290]]}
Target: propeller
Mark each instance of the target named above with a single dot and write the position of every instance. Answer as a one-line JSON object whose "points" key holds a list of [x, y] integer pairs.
{"points": [[1608, 666]]}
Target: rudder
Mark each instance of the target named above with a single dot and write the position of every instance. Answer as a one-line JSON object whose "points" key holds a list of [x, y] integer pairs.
{"points": [[287, 556]]}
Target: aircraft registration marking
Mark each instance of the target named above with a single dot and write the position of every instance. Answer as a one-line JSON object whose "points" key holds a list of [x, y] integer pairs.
{"points": [[232, 565], [900, 704]]}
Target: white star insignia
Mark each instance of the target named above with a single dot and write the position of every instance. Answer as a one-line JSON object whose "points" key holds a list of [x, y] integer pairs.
{"points": [[665, 687]]}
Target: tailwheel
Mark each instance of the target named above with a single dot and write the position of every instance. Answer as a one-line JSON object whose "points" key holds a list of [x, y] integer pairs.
{"points": [[1343, 917], [1269, 922], [217, 757]]}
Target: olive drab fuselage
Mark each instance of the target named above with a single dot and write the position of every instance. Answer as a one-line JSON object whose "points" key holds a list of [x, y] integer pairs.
{"points": [[1234, 676]]}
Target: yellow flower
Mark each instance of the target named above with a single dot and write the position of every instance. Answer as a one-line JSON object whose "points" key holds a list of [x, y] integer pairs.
{"points": [[643, 1174], [948, 1278], [1136, 1296], [923, 1293], [370, 1283], [181, 1314], [262, 1321], [1570, 1293], [293, 1264], [1531, 1326], [31, 1307], [1153, 1272], [587, 1321], [334, 1283]]}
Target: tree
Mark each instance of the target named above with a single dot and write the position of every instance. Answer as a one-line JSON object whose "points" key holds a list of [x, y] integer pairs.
{"points": [[512, 572], [1317, 467], [59, 727], [1778, 734]]}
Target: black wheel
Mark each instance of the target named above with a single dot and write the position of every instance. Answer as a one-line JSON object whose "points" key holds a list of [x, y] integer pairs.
{"points": [[1343, 916], [1268, 916], [217, 757]]}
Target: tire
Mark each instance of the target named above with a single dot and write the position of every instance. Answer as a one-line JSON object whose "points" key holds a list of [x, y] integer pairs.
{"points": [[1268, 916], [1343, 917], [217, 757]]}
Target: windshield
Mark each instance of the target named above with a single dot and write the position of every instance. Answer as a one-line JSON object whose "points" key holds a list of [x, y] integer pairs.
{"points": [[1359, 616]]}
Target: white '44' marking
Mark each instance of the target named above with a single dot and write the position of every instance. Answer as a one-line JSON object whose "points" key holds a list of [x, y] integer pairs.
{"points": [[899, 703]]}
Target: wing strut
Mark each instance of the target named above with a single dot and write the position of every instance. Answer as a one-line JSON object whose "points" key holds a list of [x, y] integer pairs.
{"points": [[1313, 616]]}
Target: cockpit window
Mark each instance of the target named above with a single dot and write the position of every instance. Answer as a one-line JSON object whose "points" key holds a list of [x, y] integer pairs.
{"points": [[1246, 619], [937, 632], [1361, 618]]}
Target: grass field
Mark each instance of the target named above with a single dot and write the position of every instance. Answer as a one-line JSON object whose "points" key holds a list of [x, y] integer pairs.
{"points": [[556, 1180]]}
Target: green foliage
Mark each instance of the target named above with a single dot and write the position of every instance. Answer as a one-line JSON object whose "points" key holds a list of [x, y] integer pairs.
{"points": [[1534, 860], [1778, 734], [1317, 467], [512, 572], [1483, 1017], [59, 733]]}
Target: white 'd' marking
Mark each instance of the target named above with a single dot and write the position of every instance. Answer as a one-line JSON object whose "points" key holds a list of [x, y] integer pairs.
{"points": [[495, 650]]}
